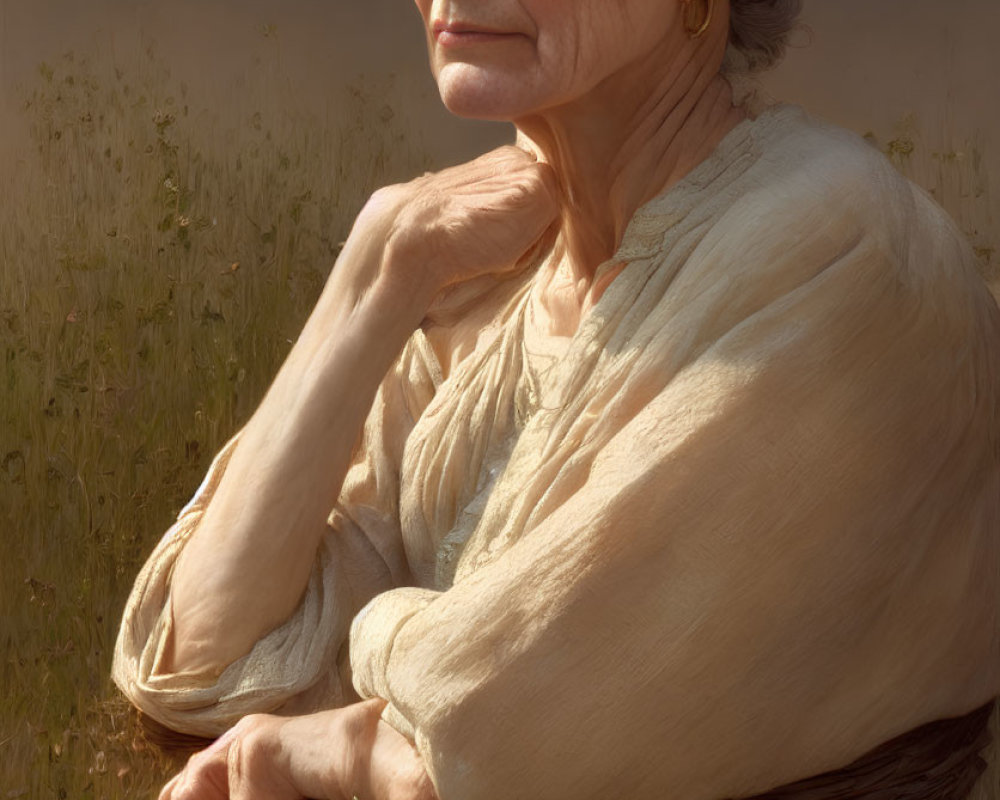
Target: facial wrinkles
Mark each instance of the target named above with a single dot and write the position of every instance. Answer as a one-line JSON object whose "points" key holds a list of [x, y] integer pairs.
{"points": [[562, 55], [637, 34], [603, 83], [630, 48]]}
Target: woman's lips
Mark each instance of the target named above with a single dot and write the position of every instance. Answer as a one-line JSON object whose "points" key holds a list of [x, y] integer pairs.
{"points": [[459, 34]]}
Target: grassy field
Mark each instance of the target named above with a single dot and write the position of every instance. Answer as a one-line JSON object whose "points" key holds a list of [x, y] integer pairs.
{"points": [[156, 260]]}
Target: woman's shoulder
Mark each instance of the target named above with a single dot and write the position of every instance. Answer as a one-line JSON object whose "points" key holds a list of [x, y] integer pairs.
{"points": [[817, 180], [817, 218], [810, 167]]}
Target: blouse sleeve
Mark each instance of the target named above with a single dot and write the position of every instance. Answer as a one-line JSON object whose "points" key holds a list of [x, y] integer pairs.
{"points": [[300, 666], [786, 557]]}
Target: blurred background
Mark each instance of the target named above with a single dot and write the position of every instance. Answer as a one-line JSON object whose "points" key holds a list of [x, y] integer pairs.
{"points": [[176, 180]]}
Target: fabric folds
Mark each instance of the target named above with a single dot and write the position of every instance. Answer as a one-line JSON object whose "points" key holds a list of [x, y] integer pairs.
{"points": [[302, 665], [744, 529]]}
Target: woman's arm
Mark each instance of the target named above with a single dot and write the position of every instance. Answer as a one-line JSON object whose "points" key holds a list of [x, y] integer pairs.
{"points": [[245, 567]]}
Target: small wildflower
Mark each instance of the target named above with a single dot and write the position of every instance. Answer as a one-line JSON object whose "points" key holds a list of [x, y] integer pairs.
{"points": [[162, 120], [901, 147], [100, 763]]}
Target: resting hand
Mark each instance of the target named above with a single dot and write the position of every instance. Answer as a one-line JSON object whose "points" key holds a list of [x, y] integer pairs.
{"points": [[332, 755], [483, 218]]}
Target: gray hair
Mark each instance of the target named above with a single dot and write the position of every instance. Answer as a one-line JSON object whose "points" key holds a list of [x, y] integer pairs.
{"points": [[758, 33]]}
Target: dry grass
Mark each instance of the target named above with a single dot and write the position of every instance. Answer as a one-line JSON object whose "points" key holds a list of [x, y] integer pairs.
{"points": [[156, 260]]}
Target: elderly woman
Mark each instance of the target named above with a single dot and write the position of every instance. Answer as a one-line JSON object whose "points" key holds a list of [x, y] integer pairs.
{"points": [[662, 454]]}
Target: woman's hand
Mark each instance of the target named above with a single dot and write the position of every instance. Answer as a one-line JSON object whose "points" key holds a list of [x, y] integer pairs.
{"points": [[484, 218], [332, 755]]}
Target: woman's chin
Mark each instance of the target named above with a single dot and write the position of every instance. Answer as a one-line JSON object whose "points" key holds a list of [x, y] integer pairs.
{"points": [[473, 93]]}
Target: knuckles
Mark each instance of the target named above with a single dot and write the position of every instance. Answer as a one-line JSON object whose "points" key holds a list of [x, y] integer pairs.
{"points": [[465, 221], [194, 783], [254, 740], [248, 745], [505, 175]]}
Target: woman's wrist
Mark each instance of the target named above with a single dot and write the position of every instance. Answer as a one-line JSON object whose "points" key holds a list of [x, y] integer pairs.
{"points": [[359, 723], [350, 752], [325, 754], [380, 258], [386, 764]]}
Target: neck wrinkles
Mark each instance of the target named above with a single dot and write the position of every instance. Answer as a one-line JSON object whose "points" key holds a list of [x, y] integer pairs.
{"points": [[631, 138]]}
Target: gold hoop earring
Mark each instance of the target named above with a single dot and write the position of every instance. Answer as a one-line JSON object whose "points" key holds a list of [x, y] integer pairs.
{"points": [[697, 31]]}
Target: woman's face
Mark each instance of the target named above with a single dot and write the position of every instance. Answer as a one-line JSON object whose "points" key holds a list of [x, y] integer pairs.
{"points": [[508, 59]]}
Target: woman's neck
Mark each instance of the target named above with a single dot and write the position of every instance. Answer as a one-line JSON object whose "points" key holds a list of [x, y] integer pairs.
{"points": [[628, 140]]}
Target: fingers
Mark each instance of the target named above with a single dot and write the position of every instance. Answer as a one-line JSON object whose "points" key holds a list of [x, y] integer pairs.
{"points": [[535, 204], [277, 758], [247, 770], [507, 157], [509, 162], [516, 184], [238, 766], [257, 766], [545, 191], [203, 778], [550, 182], [537, 179], [167, 793], [485, 217]]}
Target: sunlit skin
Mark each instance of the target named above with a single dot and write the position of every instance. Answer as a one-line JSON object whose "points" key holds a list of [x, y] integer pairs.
{"points": [[614, 102]]}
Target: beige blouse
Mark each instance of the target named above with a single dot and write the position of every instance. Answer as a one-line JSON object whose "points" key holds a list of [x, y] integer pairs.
{"points": [[739, 529]]}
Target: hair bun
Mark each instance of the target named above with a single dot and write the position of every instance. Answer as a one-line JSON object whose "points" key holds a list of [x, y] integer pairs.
{"points": [[759, 32]]}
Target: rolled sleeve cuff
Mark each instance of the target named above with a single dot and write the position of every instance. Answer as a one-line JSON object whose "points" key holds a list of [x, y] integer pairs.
{"points": [[292, 662]]}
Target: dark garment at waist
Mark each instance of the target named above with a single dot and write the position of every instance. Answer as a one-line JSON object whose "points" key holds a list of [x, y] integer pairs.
{"points": [[938, 761]]}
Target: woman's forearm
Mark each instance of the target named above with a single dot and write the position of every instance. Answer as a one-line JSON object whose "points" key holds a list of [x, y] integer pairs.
{"points": [[245, 568]]}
